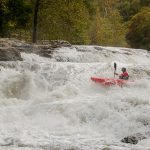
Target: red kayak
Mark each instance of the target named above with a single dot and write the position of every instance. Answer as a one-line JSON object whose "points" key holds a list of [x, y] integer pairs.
{"points": [[109, 81]]}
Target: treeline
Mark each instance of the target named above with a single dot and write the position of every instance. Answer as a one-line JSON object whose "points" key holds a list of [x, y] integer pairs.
{"points": [[101, 22]]}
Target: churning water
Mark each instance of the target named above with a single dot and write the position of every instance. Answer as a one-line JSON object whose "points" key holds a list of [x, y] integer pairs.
{"points": [[51, 104]]}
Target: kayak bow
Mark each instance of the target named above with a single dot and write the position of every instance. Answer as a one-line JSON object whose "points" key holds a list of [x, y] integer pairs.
{"points": [[109, 81]]}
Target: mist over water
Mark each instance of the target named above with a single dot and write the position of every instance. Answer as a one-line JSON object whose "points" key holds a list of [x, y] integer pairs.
{"points": [[53, 104]]}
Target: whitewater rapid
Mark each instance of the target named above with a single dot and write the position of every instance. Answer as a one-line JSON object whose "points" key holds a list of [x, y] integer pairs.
{"points": [[51, 104]]}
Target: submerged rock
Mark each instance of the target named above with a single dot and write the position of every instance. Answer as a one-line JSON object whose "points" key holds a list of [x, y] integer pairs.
{"points": [[133, 139]]}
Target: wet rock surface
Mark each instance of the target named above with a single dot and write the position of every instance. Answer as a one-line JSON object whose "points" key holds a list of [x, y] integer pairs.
{"points": [[133, 139], [10, 48], [9, 54]]}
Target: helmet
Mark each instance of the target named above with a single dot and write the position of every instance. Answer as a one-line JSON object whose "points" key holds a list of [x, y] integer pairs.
{"points": [[123, 69]]}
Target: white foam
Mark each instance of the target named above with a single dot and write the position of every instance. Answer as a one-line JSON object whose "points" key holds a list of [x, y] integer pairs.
{"points": [[45, 103]]}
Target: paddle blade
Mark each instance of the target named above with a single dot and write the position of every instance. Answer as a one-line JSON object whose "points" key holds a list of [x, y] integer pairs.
{"points": [[115, 66]]}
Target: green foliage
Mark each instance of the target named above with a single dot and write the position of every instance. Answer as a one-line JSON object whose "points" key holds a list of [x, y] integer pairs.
{"points": [[15, 14], [108, 31], [106, 7], [129, 8], [18, 12], [138, 35], [90, 5], [145, 2], [3, 18], [101, 22], [107, 27], [67, 20]]}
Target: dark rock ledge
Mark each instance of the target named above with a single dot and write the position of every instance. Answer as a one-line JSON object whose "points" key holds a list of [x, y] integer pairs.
{"points": [[10, 49]]}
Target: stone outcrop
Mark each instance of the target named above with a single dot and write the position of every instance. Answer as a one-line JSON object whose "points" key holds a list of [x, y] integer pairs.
{"points": [[10, 48]]}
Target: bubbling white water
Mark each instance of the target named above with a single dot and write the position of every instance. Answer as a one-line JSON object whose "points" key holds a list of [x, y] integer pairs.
{"points": [[46, 104]]}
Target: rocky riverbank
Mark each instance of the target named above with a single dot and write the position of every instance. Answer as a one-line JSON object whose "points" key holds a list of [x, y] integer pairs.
{"points": [[10, 49]]}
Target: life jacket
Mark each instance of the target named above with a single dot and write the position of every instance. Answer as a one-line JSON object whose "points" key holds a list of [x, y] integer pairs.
{"points": [[124, 76]]}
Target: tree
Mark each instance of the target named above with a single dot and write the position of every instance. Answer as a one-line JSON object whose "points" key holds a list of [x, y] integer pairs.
{"points": [[107, 26], [3, 18], [145, 2], [15, 14], [35, 20], [64, 19], [18, 12], [91, 7], [129, 8], [138, 35]]}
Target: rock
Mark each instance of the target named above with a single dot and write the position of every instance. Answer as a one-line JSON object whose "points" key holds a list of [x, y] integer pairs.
{"points": [[130, 139], [9, 54], [4, 42], [43, 50], [133, 139], [98, 48], [55, 43], [10, 48], [46, 48]]}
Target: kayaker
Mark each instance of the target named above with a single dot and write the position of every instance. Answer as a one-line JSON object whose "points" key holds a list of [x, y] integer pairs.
{"points": [[124, 75]]}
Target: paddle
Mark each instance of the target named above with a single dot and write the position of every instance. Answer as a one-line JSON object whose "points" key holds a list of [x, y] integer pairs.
{"points": [[115, 68]]}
